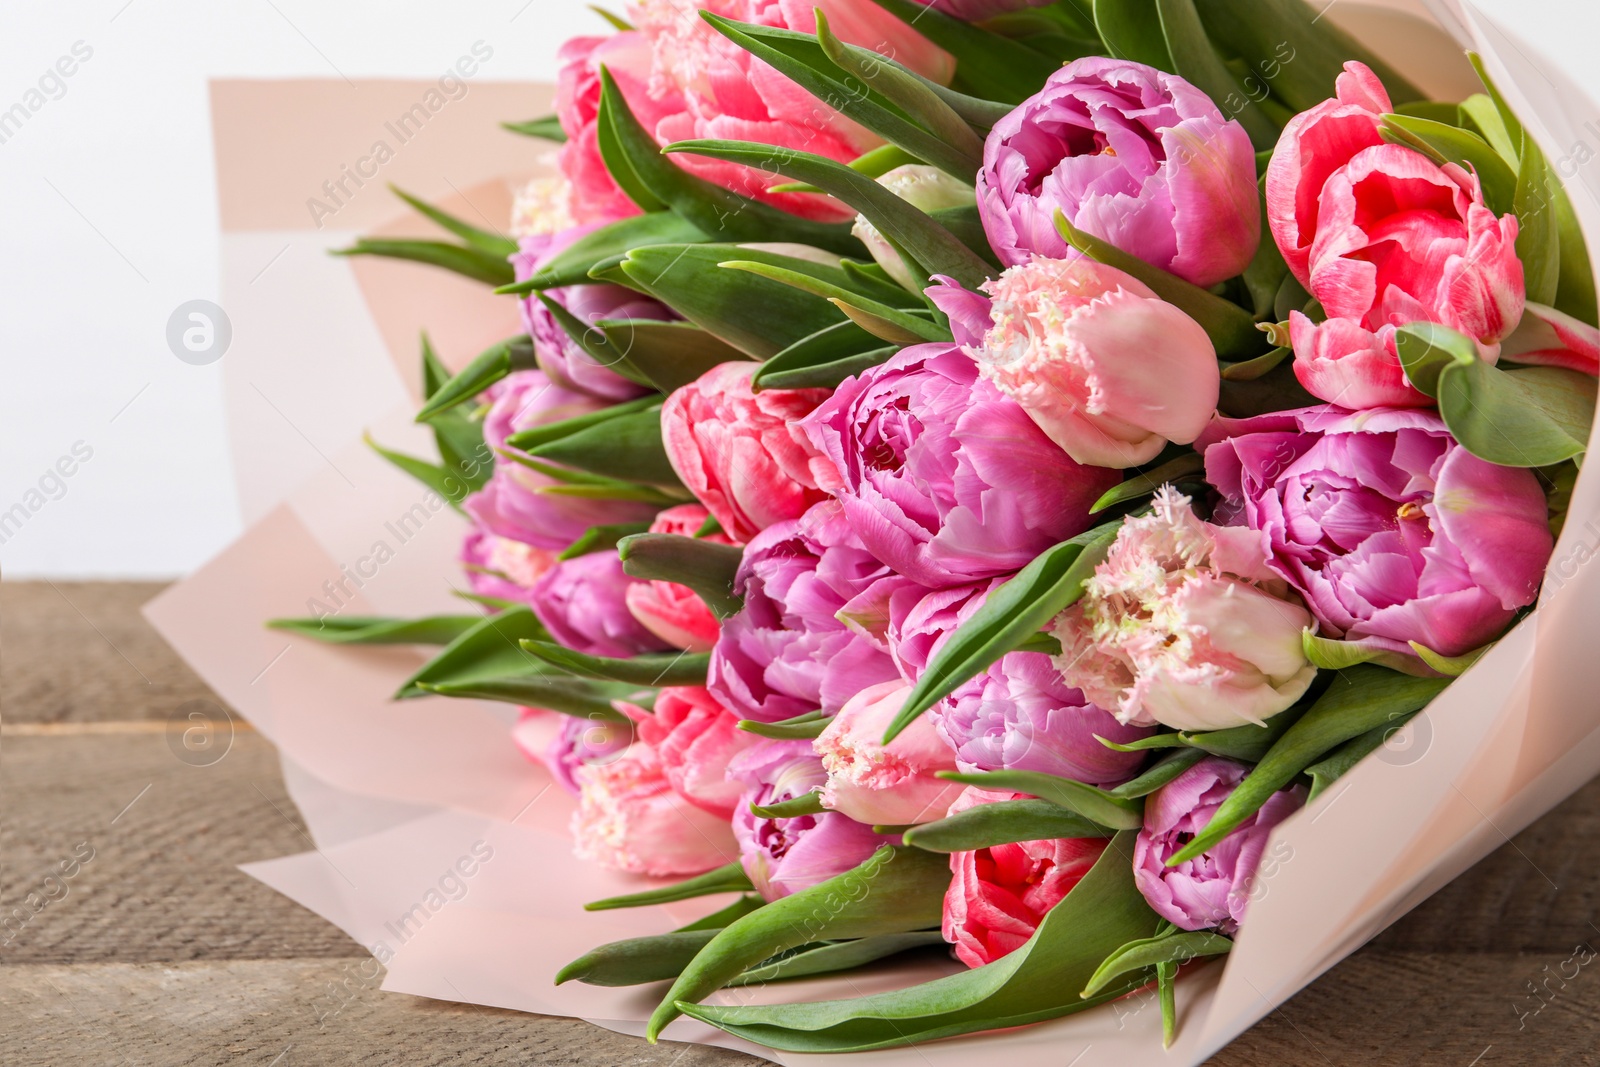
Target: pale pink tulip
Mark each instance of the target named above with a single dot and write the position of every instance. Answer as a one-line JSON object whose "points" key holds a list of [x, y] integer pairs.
{"points": [[880, 784], [629, 818]]}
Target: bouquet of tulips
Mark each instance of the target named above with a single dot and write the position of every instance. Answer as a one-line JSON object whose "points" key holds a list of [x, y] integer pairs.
{"points": [[973, 470]]}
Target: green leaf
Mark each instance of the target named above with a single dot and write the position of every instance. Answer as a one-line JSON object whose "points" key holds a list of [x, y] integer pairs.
{"points": [[616, 22], [804, 804], [1505, 124], [1149, 951], [1002, 823], [801, 727], [1231, 328], [1575, 293], [447, 484], [466, 261], [637, 960], [378, 630], [829, 957], [569, 481], [1248, 743], [1250, 369], [1163, 771], [1449, 666], [1187, 467], [1289, 47], [1478, 112], [488, 649], [492, 244], [593, 340], [1528, 417], [1360, 699], [572, 264], [1331, 655], [535, 436], [810, 64], [1038, 981], [668, 355], [729, 878], [1450, 144], [1096, 805], [704, 566], [1196, 61], [824, 359], [1538, 230], [723, 916], [914, 97], [648, 669], [552, 692], [876, 318], [935, 249], [628, 447], [1338, 763], [988, 65], [1011, 613], [1427, 348], [1432, 110], [756, 315], [547, 128], [713, 210], [600, 538], [897, 890], [486, 368], [458, 437], [1131, 29], [1264, 275]]}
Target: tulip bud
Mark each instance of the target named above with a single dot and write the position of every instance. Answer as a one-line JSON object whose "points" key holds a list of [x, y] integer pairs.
{"points": [[923, 187]]}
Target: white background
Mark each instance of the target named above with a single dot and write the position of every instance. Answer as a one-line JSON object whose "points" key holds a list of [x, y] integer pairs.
{"points": [[108, 221]]}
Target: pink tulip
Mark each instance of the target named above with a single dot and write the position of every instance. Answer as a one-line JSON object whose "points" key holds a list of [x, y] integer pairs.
{"points": [[1185, 624], [878, 784], [1108, 370], [595, 196], [629, 818], [675, 613], [978, 10], [999, 895], [563, 743], [695, 737], [1382, 236], [1215, 888], [582, 601], [740, 452], [728, 93], [502, 568], [1553, 338], [1131, 155]]}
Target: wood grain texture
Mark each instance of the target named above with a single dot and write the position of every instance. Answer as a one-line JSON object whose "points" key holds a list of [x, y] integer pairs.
{"points": [[161, 952]]}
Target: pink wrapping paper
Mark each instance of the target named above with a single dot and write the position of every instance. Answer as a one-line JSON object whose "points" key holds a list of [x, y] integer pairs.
{"points": [[404, 799]]}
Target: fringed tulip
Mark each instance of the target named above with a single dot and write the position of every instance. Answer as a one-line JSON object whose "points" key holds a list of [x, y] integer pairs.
{"points": [[629, 818], [881, 784], [695, 738], [1186, 625]]}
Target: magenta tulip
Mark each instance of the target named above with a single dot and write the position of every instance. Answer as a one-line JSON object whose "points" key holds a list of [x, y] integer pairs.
{"points": [[943, 477], [1390, 530], [583, 603], [1131, 155]]}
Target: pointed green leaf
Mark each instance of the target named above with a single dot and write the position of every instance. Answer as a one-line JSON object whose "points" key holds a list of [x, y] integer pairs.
{"points": [[1038, 981], [466, 261], [830, 957], [600, 538], [804, 804], [637, 960], [492, 244], [1002, 823], [877, 319], [897, 890], [569, 696], [648, 669], [547, 128], [988, 66], [1527, 417], [593, 340], [713, 210], [1149, 951], [935, 248], [1011, 613], [704, 566], [487, 650], [1360, 699], [801, 727], [1449, 666], [1575, 291], [572, 264], [1231, 328], [447, 484], [1538, 229], [1131, 29], [807, 62], [723, 916], [1328, 654], [1250, 369], [628, 447], [1163, 771], [1338, 763], [1096, 805], [669, 355], [729, 878], [535, 436], [1196, 61], [377, 630], [824, 358], [1187, 467], [486, 368]]}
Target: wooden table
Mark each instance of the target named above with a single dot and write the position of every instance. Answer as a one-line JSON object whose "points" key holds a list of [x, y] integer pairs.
{"points": [[157, 951]]}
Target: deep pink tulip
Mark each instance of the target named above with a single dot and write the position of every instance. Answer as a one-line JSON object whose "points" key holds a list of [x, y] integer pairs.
{"points": [[1131, 155], [675, 613], [942, 476], [1214, 889], [1389, 529], [695, 738], [999, 895], [740, 452]]}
